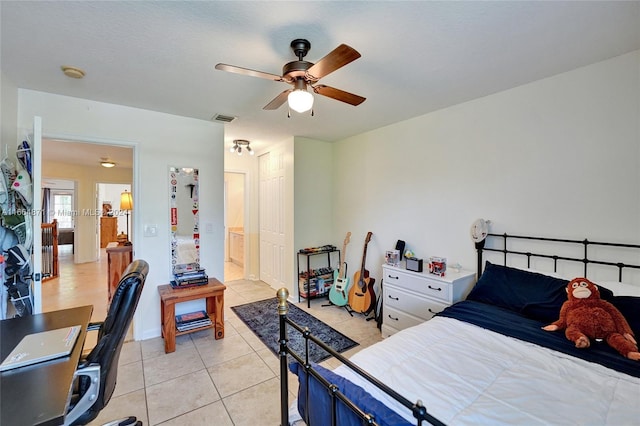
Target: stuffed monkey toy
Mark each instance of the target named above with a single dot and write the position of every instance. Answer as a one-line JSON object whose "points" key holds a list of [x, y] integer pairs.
{"points": [[584, 316]]}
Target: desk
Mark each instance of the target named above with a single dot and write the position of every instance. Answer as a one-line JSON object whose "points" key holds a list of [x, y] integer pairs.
{"points": [[213, 292], [37, 394]]}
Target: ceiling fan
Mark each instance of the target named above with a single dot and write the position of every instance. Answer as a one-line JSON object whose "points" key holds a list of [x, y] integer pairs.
{"points": [[302, 74]]}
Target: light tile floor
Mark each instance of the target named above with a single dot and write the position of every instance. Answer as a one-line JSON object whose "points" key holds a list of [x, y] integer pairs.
{"points": [[232, 381]]}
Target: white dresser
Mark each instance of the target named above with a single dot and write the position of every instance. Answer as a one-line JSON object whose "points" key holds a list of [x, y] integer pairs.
{"points": [[411, 298]]}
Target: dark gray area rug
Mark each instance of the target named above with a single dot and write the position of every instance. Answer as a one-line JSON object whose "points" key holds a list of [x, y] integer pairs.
{"points": [[262, 318]]}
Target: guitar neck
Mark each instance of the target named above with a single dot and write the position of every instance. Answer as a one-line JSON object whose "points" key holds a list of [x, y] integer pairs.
{"points": [[364, 256], [341, 271]]}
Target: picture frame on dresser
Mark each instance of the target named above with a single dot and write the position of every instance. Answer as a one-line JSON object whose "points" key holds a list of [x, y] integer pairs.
{"points": [[411, 298]]}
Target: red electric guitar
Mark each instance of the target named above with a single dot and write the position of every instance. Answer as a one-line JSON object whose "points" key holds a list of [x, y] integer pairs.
{"points": [[361, 295]]}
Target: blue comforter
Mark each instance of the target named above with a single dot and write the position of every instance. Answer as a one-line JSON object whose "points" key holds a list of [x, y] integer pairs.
{"points": [[513, 324]]}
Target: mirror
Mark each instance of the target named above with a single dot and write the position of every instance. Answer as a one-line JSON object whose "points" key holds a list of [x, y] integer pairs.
{"points": [[185, 228]]}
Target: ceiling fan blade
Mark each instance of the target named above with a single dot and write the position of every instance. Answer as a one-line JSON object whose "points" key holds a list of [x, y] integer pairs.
{"points": [[339, 95], [247, 71], [338, 57], [278, 100]]}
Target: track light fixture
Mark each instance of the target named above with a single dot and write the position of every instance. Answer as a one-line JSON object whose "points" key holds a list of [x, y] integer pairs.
{"points": [[239, 144]]}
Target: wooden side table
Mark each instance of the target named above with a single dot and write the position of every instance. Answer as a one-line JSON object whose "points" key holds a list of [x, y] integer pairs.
{"points": [[213, 292]]}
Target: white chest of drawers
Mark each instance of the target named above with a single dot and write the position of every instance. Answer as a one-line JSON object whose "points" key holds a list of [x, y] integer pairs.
{"points": [[414, 297]]}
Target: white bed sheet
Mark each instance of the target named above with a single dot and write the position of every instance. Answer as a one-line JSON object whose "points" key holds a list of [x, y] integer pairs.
{"points": [[466, 375]]}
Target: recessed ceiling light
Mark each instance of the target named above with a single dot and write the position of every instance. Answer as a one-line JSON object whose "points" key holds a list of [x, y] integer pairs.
{"points": [[72, 72]]}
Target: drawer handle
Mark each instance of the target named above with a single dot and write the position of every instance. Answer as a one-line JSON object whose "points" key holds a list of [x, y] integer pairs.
{"points": [[395, 319], [391, 276], [393, 298], [435, 288]]}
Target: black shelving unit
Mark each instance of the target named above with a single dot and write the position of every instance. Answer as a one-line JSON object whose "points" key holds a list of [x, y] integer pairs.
{"points": [[313, 283]]}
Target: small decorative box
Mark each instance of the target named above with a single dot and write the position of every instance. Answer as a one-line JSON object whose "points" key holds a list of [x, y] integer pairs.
{"points": [[437, 265], [392, 257], [414, 264]]}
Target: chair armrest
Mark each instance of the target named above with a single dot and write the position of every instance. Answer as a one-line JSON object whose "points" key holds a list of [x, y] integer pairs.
{"points": [[88, 398]]}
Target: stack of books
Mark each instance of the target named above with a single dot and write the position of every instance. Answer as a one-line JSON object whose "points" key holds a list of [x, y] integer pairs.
{"points": [[189, 276], [192, 320]]}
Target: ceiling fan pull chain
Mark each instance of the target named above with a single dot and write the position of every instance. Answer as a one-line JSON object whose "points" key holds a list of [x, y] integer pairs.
{"points": [[312, 112]]}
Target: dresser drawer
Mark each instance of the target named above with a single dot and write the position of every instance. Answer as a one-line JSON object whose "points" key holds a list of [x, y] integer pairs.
{"points": [[399, 320], [411, 303], [440, 290]]}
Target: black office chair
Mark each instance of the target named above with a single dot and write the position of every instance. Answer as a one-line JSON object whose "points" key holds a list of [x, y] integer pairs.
{"points": [[95, 378]]}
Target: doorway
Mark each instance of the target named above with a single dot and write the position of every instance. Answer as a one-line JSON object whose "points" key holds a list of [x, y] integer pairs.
{"points": [[234, 203], [83, 267], [114, 220]]}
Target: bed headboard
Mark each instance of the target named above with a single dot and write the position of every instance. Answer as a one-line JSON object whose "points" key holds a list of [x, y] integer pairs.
{"points": [[624, 257]]}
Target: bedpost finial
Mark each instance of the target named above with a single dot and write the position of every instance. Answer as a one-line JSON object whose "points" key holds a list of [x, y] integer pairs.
{"points": [[282, 295]]}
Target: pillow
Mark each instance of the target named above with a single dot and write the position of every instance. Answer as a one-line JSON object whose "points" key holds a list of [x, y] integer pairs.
{"points": [[629, 307], [319, 409], [538, 271], [532, 294]]}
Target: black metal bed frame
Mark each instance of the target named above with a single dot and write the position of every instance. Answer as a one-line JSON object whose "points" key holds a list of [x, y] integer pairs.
{"points": [[480, 247], [418, 410]]}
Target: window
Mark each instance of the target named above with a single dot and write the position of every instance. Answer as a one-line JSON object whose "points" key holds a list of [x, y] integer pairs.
{"points": [[63, 210]]}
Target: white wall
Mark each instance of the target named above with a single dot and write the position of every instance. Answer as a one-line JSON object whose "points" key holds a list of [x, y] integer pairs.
{"points": [[313, 201], [8, 115], [159, 140], [235, 200], [558, 157]]}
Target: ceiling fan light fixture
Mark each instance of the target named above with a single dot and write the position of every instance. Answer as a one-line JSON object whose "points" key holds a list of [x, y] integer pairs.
{"points": [[300, 100]]}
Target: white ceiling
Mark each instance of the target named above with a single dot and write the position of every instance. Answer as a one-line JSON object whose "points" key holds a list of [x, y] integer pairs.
{"points": [[417, 57], [86, 154]]}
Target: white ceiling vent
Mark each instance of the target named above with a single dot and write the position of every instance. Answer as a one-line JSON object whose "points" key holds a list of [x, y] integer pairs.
{"points": [[223, 118]]}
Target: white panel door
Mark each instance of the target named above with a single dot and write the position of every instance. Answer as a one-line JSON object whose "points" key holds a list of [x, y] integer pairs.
{"points": [[272, 218]]}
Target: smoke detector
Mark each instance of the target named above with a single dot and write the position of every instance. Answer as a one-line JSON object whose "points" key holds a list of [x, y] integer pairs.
{"points": [[72, 72]]}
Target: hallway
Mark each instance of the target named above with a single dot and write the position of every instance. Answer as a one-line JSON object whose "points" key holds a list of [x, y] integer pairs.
{"points": [[77, 285]]}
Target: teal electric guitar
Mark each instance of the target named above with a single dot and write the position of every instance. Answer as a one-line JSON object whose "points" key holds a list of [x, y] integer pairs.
{"points": [[338, 293]]}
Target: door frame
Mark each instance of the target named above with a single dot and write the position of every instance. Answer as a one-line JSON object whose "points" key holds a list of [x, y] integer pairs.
{"points": [[135, 187]]}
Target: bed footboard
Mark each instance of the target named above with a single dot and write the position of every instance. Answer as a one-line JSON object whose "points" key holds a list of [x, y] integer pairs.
{"points": [[417, 409]]}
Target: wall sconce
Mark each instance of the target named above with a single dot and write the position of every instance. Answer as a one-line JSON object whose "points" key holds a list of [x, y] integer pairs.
{"points": [[238, 145]]}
